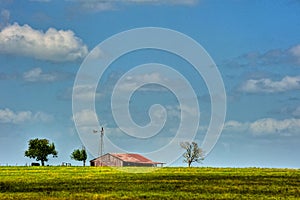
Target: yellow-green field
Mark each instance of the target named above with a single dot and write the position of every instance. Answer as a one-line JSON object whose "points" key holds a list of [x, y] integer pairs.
{"points": [[166, 183]]}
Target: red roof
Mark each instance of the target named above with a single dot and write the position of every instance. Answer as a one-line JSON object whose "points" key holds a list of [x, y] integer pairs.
{"points": [[131, 157]]}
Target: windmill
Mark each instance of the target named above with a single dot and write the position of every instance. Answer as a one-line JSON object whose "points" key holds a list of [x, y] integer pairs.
{"points": [[101, 147]]}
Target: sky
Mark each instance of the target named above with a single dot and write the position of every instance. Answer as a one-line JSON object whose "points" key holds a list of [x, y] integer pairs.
{"points": [[45, 45]]}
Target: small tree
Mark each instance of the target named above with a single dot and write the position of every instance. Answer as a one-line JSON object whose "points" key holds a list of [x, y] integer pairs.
{"points": [[79, 155], [39, 149], [193, 153]]}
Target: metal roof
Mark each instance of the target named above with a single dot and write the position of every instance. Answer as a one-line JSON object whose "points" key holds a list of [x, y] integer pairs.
{"points": [[134, 158]]}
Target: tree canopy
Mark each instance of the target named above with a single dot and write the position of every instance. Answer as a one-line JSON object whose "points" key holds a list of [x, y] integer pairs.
{"points": [[40, 149], [79, 155], [193, 153]]}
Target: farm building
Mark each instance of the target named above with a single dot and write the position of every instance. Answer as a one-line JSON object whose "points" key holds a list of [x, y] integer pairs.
{"points": [[123, 160]]}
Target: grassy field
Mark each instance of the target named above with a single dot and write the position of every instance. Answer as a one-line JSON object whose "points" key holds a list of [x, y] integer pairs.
{"points": [[166, 183]]}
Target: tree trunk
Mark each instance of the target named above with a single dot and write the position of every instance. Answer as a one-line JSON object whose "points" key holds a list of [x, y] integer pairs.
{"points": [[43, 162], [84, 163], [189, 163]]}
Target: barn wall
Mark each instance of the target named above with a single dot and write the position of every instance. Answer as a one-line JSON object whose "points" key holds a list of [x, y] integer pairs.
{"points": [[112, 161]]}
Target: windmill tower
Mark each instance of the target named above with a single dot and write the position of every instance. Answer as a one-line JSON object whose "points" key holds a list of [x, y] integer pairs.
{"points": [[101, 141], [101, 146]]}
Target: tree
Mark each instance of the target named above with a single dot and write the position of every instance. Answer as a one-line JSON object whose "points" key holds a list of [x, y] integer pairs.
{"points": [[193, 153], [79, 155], [39, 149]]}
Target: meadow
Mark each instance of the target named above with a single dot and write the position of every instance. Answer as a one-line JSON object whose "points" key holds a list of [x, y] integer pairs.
{"points": [[165, 183]]}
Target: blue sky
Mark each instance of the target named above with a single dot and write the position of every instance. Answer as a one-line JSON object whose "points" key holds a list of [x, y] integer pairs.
{"points": [[255, 44]]}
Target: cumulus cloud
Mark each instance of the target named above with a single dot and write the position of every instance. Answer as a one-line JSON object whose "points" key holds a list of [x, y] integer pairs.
{"points": [[233, 125], [86, 121], [289, 56], [169, 2], [96, 53], [52, 45], [96, 6], [36, 74], [84, 93], [131, 82], [269, 126], [266, 85], [8, 116], [266, 126], [41, 0], [85, 118], [295, 51], [104, 5]]}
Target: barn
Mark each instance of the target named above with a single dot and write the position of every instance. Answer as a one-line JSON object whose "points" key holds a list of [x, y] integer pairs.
{"points": [[124, 160]]}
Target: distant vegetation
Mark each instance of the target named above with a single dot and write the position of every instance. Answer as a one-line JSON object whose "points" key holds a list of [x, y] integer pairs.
{"points": [[165, 183]]}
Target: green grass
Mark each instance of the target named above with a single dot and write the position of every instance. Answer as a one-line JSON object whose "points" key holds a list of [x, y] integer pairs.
{"points": [[166, 183]]}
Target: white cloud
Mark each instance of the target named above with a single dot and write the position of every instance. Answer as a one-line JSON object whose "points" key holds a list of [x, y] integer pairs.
{"points": [[86, 121], [9, 116], [85, 118], [85, 93], [272, 57], [233, 125], [131, 82], [104, 5], [189, 111], [265, 126], [96, 53], [52, 45], [295, 51], [269, 126], [267, 85], [40, 1], [170, 2], [41, 116], [96, 5], [36, 74]]}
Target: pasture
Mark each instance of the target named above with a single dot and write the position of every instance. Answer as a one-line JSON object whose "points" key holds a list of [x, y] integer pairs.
{"points": [[165, 183]]}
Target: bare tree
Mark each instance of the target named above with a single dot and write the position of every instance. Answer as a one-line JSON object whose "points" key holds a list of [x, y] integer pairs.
{"points": [[193, 153]]}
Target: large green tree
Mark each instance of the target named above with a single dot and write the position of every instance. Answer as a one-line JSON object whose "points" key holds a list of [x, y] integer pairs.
{"points": [[40, 149], [192, 153], [79, 155]]}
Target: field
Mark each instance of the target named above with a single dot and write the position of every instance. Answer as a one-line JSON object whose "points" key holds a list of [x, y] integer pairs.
{"points": [[166, 183]]}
